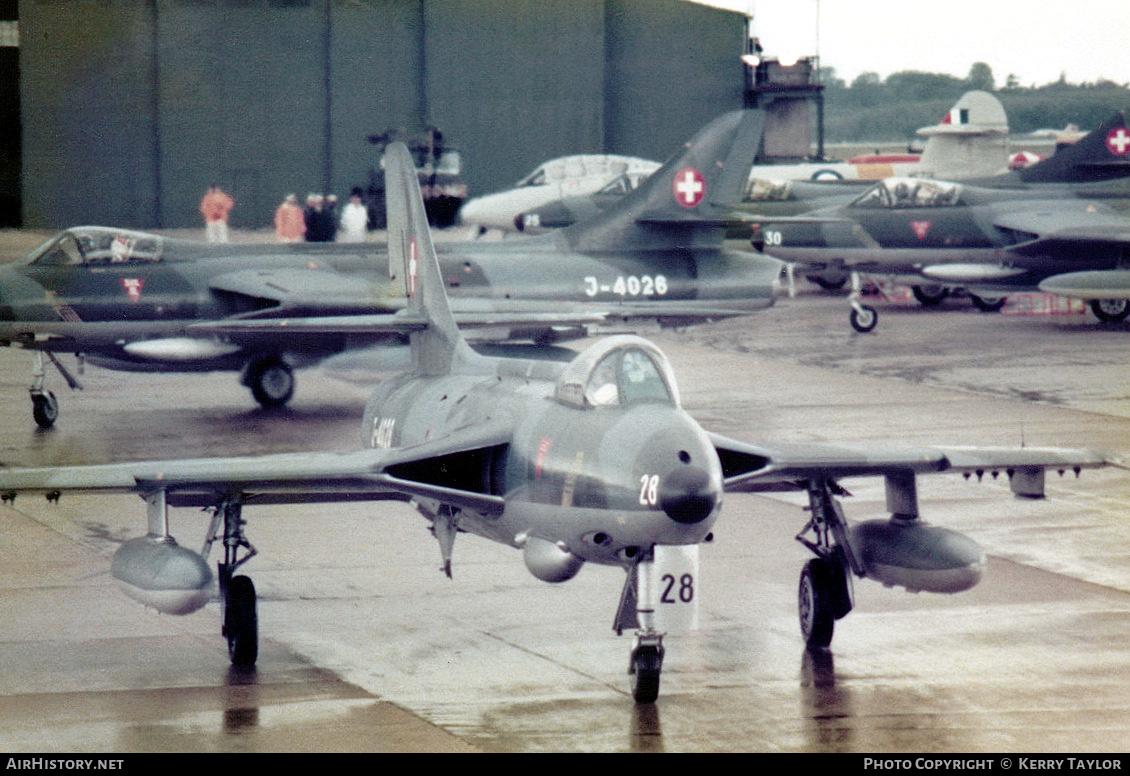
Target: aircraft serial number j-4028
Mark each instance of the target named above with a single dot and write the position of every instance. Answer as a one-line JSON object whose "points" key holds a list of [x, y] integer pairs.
{"points": [[591, 461], [135, 301]]}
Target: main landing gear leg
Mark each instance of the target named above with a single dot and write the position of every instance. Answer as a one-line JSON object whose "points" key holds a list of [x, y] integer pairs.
{"points": [[863, 318], [825, 591], [237, 593], [44, 405], [638, 603]]}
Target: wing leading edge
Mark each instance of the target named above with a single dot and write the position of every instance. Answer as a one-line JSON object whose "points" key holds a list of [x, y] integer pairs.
{"points": [[291, 478], [753, 468]]}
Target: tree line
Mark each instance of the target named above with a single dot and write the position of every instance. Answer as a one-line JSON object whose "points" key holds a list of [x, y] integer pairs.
{"points": [[873, 109]]}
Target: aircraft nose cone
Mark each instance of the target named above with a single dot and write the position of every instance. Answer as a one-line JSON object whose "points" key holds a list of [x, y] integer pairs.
{"points": [[688, 496]]}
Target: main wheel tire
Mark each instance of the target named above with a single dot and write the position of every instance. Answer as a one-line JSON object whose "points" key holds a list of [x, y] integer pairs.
{"points": [[988, 304], [817, 619], [1110, 310], [45, 409], [647, 664], [930, 296], [241, 622], [864, 319], [271, 382], [829, 281]]}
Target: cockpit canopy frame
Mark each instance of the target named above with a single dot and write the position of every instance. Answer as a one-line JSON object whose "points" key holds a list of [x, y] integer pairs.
{"points": [[903, 192], [98, 245], [615, 372]]}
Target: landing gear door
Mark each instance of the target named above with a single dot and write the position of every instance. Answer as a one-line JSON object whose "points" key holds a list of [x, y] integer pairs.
{"points": [[677, 585]]}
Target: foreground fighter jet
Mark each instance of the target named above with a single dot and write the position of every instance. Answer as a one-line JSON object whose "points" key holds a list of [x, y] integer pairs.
{"points": [[133, 301], [591, 461], [1024, 232]]}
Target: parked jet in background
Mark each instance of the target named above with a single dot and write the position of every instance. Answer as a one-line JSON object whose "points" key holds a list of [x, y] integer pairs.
{"points": [[971, 141], [135, 301], [1028, 233], [569, 176], [593, 461]]}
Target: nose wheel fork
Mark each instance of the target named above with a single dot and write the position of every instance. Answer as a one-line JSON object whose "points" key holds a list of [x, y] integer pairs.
{"points": [[44, 405], [638, 602], [863, 317]]}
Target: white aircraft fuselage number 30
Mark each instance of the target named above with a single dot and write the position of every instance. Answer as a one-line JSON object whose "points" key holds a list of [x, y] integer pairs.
{"points": [[644, 285]]}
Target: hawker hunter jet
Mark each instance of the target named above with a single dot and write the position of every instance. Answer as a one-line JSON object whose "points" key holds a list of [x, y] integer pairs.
{"points": [[134, 301], [590, 461], [970, 141], [1025, 232]]}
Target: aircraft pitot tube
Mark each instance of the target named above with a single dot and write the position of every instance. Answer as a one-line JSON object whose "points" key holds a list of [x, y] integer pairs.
{"points": [[157, 572]]}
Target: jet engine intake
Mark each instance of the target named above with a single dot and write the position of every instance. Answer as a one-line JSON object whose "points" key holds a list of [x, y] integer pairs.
{"points": [[157, 572], [549, 562], [907, 553]]}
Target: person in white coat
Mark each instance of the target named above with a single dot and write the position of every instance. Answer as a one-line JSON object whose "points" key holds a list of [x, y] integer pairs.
{"points": [[354, 219]]}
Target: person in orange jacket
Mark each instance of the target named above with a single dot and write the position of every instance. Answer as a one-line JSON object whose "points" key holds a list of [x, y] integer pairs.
{"points": [[290, 223], [215, 208]]}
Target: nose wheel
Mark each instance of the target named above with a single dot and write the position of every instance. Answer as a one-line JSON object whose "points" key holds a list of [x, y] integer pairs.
{"points": [[44, 408], [638, 602], [644, 668], [863, 318], [44, 405]]}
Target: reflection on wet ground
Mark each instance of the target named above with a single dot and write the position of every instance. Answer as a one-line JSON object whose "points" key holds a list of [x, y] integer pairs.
{"points": [[367, 646]]}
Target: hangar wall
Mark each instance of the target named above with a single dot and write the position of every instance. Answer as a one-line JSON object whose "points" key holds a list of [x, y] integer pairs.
{"points": [[130, 108]]}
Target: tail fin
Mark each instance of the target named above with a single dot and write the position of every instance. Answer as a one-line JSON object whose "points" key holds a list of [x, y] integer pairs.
{"points": [[1101, 155], [684, 203], [439, 346], [975, 113], [971, 140]]}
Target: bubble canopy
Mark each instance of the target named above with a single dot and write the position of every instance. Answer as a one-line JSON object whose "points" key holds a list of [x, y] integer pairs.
{"points": [[910, 193], [97, 245], [618, 371]]}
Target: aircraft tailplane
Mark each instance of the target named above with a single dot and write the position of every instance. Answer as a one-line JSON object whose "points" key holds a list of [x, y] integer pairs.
{"points": [[685, 202], [440, 346]]}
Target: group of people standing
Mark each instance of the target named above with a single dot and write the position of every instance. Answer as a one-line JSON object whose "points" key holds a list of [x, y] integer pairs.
{"points": [[318, 222]]}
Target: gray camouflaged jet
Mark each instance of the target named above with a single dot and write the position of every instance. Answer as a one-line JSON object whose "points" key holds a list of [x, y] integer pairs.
{"points": [[133, 301], [1059, 227], [591, 461]]}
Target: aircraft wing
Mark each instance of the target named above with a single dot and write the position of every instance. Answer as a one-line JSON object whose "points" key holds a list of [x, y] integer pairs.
{"points": [[1059, 228], [756, 468], [293, 478], [473, 313], [402, 322], [1073, 234]]}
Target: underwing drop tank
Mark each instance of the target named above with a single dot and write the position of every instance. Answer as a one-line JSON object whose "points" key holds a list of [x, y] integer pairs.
{"points": [[158, 573], [911, 554]]}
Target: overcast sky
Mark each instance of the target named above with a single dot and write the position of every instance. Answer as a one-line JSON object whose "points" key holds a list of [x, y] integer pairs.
{"points": [[1037, 40]]}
